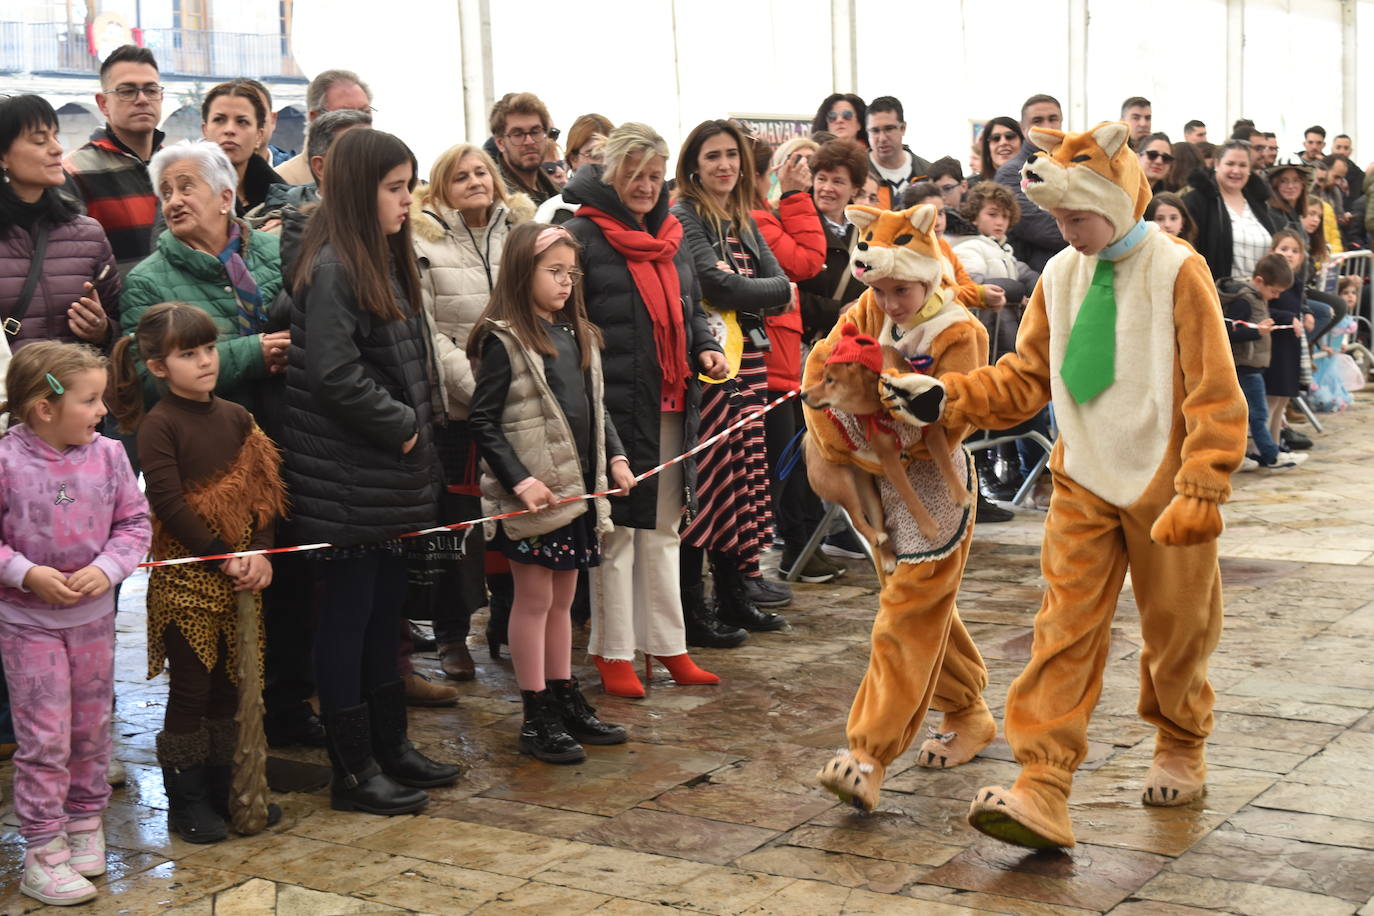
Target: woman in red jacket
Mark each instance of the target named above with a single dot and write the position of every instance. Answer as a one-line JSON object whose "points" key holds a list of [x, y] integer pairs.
{"points": [[793, 232]]}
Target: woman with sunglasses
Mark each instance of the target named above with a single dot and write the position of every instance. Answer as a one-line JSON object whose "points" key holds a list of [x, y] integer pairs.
{"points": [[1156, 161], [1000, 140], [842, 114]]}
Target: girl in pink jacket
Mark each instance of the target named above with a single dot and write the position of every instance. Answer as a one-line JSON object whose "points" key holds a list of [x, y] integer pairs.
{"points": [[72, 524]]}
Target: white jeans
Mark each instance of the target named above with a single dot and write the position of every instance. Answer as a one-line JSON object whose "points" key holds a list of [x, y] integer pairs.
{"points": [[635, 592]]}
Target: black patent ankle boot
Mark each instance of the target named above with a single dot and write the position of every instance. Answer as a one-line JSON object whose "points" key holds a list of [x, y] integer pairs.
{"points": [[579, 716], [543, 735], [732, 602]]}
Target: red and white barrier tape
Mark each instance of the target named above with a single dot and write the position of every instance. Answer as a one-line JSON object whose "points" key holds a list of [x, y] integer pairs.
{"points": [[301, 548]]}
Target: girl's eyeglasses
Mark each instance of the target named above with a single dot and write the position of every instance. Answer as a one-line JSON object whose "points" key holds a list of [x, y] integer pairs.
{"points": [[564, 277]]}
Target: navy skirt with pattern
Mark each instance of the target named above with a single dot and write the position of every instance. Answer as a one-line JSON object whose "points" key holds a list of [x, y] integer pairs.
{"points": [[573, 546]]}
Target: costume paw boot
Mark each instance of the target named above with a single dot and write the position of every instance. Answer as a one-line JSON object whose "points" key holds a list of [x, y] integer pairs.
{"points": [[579, 716], [618, 677], [704, 627], [543, 735], [189, 812], [960, 737], [393, 751], [219, 768], [359, 783], [854, 777], [1178, 774], [733, 602], [1033, 813]]}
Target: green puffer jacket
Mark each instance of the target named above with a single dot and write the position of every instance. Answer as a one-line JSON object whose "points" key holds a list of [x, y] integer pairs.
{"points": [[176, 272]]}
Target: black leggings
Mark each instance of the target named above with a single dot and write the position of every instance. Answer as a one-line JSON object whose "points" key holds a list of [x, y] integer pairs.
{"points": [[194, 693], [358, 633]]}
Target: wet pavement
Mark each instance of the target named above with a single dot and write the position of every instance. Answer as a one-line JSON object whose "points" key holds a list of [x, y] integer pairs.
{"points": [[712, 808]]}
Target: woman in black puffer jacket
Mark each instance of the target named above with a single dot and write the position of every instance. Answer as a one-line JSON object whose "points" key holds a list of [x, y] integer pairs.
{"points": [[639, 289], [360, 461]]}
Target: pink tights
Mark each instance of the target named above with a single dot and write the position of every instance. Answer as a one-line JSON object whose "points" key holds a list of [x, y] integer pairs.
{"points": [[540, 625]]}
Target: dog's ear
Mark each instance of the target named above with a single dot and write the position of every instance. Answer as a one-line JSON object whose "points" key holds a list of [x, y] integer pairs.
{"points": [[893, 359]]}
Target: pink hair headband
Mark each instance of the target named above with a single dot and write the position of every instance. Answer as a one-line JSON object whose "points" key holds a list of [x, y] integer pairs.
{"points": [[548, 237]]}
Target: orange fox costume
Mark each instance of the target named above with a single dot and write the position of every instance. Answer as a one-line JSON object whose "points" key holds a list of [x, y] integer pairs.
{"points": [[1140, 470], [922, 656]]}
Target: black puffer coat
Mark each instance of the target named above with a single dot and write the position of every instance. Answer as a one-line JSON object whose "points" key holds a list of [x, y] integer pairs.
{"points": [[356, 389], [629, 359], [1213, 218]]}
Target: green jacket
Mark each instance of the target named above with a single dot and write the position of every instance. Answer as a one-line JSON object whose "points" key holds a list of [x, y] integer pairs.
{"points": [[176, 272]]}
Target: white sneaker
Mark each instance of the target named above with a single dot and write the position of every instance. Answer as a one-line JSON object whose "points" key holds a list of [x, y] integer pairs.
{"points": [[49, 876], [114, 773], [1248, 464], [86, 839]]}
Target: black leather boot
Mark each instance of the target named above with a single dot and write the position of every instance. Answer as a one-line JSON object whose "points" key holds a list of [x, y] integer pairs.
{"points": [[359, 783], [579, 716], [219, 768], [189, 812], [992, 485], [391, 748], [543, 735], [733, 604], [296, 724], [502, 590], [704, 629]]}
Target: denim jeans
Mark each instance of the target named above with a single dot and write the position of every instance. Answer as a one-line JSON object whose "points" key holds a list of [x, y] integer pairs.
{"points": [[1252, 386]]}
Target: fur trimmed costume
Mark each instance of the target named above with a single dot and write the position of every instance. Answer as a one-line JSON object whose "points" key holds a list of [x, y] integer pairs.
{"points": [[1140, 469], [922, 656]]}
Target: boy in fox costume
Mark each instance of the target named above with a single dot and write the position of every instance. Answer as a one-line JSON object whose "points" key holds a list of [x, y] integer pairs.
{"points": [[1125, 333], [922, 656]]}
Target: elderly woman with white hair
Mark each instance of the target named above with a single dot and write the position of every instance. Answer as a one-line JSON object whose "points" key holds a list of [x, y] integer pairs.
{"points": [[641, 291], [210, 258]]}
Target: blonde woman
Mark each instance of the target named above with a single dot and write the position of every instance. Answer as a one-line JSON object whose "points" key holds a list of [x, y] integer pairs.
{"points": [[461, 220]]}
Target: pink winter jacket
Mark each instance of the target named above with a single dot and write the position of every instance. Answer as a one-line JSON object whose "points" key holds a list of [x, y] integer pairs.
{"points": [[68, 510]]}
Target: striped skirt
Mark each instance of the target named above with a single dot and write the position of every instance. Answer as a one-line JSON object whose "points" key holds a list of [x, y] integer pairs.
{"points": [[733, 510]]}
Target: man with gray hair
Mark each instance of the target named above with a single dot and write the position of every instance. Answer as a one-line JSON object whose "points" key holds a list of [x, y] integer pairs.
{"points": [[332, 90], [323, 132]]}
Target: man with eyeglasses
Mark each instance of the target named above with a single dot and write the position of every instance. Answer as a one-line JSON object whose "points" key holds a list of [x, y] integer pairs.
{"points": [[891, 162], [331, 90], [110, 173], [520, 129]]}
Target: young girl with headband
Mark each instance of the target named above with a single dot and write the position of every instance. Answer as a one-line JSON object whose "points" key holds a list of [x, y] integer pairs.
{"points": [[540, 426]]}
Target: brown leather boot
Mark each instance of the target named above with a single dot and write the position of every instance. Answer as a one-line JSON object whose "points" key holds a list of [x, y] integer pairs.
{"points": [[420, 691], [456, 661]]}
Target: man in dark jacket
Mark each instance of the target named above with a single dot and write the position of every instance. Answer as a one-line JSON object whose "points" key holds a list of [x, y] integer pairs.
{"points": [[1035, 238], [891, 163]]}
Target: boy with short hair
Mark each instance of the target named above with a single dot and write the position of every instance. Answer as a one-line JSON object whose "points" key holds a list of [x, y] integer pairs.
{"points": [[1245, 307]]}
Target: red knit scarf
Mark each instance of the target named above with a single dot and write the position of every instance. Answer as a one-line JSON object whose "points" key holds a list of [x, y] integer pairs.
{"points": [[650, 260]]}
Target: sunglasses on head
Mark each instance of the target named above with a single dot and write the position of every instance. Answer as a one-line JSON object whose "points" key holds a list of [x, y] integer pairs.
{"points": [[837, 115], [1153, 154]]}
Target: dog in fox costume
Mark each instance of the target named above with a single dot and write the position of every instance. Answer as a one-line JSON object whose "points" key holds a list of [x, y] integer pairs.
{"points": [[1124, 332], [922, 656]]}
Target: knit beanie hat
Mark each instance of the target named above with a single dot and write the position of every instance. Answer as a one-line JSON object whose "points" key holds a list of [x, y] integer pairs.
{"points": [[854, 347]]}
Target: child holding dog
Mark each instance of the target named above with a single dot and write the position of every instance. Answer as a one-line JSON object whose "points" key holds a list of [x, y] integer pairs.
{"points": [[922, 655]]}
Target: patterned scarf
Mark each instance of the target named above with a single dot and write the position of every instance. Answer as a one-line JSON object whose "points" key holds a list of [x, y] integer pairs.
{"points": [[251, 314]]}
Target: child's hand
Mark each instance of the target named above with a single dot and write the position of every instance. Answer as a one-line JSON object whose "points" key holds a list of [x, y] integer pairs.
{"points": [[537, 496], [1266, 326], [90, 581], [1309, 321], [994, 297], [622, 477], [232, 567], [1297, 327], [409, 444], [50, 585], [255, 574]]}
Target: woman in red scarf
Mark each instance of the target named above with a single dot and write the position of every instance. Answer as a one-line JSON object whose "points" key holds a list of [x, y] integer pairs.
{"points": [[641, 292]]}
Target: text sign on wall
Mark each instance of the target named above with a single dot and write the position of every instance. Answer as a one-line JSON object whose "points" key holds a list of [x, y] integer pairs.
{"points": [[774, 129]]}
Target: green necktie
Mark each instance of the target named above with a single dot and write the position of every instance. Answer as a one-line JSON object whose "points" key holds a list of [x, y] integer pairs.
{"points": [[1090, 358]]}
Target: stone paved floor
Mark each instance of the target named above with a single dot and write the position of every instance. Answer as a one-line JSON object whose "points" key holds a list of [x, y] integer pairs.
{"points": [[711, 807]]}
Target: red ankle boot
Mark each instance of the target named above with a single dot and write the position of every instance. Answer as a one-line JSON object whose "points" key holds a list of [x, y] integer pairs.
{"points": [[682, 669], [618, 677]]}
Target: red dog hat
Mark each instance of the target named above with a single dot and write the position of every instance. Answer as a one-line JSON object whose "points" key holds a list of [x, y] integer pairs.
{"points": [[854, 347]]}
